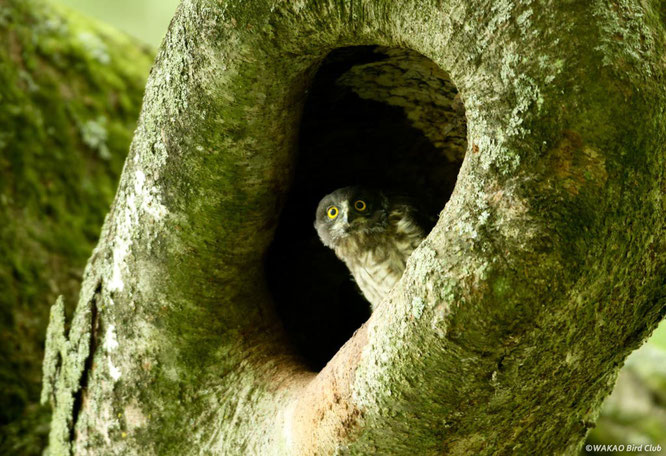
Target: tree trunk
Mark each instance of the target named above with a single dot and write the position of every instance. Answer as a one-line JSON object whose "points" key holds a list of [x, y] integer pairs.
{"points": [[543, 272], [70, 93]]}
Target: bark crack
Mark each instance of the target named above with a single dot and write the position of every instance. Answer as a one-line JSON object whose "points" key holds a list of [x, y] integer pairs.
{"points": [[88, 364]]}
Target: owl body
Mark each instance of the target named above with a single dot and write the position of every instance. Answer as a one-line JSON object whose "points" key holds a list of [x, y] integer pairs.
{"points": [[372, 234]]}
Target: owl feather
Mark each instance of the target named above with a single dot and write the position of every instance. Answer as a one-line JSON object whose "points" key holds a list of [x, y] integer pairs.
{"points": [[373, 234]]}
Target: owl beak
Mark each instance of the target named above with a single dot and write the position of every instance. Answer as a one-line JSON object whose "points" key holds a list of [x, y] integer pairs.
{"points": [[345, 222]]}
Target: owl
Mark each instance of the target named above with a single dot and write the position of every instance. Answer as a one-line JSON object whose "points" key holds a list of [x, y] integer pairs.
{"points": [[372, 233]]}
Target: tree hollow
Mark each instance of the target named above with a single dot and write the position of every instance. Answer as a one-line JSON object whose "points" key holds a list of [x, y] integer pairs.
{"points": [[378, 117]]}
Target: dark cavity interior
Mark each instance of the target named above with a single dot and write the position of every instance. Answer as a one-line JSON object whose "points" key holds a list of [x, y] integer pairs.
{"points": [[387, 118]]}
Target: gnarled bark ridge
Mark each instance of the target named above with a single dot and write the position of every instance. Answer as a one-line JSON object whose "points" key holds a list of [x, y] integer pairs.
{"points": [[544, 271]]}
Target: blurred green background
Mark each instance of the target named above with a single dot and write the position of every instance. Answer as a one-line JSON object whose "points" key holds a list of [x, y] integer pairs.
{"points": [[146, 20], [659, 337]]}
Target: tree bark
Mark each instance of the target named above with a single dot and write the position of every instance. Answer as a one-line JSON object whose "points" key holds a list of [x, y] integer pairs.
{"points": [[544, 271], [70, 93]]}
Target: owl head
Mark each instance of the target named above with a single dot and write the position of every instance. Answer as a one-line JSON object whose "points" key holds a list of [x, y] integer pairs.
{"points": [[349, 212]]}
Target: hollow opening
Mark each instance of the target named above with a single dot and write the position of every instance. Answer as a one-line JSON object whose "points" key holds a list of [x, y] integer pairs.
{"points": [[386, 118]]}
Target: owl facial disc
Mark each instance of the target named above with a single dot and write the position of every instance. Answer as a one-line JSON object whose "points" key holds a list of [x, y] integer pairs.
{"points": [[349, 211]]}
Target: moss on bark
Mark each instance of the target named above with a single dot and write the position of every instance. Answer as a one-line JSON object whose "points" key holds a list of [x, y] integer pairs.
{"points": [[70, 93]]}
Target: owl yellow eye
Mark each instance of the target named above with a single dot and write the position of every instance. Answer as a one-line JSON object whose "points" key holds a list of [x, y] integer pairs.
{"points": [[332, 212], [360, 205]]}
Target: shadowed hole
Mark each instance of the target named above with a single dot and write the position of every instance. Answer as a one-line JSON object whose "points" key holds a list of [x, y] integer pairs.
{"points": [[380, 117]]}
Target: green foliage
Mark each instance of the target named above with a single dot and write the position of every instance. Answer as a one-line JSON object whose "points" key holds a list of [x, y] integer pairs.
{"points": [[70, 93]]}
